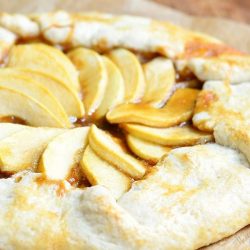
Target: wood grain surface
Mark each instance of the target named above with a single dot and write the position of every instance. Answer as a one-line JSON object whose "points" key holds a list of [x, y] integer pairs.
{"points": [[238, 10]]}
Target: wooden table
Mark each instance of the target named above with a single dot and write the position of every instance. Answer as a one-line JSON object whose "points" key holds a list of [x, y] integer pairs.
{"points": [[238, 10]]}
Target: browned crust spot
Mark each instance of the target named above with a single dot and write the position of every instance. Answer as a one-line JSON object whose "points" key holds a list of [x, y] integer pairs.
{"points": [[204, 100], [61, 189], [198, 48]]}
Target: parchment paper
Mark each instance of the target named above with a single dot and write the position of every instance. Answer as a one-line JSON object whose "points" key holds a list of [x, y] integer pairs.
{"points": [[234, 34]]}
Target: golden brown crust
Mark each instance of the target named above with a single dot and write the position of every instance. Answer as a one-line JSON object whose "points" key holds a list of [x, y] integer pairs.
{"points": [[103, 32], [201, 48], [61, 28], [167, 210], [219, 101]]}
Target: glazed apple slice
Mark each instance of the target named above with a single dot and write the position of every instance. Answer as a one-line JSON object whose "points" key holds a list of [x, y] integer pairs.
{"points": [[178, 109], [115, 91], [174, 136], [13, 79], [132, 73], [15, 103], [7, 129], [100, 172], [160, 79], [23, 149], [63, 153], [46, 59], [65, 94], [110, 150], [146, 150], [93, 76]]}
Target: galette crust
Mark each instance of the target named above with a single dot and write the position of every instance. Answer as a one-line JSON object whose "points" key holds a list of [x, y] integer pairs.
{"points": [[234, 68], [220, 101], [206, 56], [187, 210], [234, 135]]}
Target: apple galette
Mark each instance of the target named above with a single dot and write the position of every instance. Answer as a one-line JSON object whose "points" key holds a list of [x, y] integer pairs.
{"points": [[120, 132]]}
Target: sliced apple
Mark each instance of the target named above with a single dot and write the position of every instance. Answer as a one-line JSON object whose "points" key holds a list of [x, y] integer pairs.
{"points": [[13, 79], [93, 76], [15, 103], [7, 129], [46, 59], [175, 136], [160, 80], [146, 150], [111, 151], [65, 94], [114, 93], [132, 73], [23, 149], [100, 172], [65, 64], [63, 153], [178, 109]]}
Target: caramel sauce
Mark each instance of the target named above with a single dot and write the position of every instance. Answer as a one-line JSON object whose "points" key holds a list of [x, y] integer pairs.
{"points": [[29, 40], [12, 119], [5, 175], [184, 75], [77, 179], [145, 57]]}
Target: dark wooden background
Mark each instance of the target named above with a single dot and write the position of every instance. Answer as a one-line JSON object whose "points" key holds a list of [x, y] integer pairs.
{"points": [[238, 10]]}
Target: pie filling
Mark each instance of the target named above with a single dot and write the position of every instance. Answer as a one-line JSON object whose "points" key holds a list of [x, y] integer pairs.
{"points": [[135, 108]]}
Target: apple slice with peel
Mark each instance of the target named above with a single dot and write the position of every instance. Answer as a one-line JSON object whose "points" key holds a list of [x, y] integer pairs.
{"points": [[174, 136], [7, 129], [65, 94], [15, 103], [22, 150], [110, 150], [63, 153], [146, 150], [160, 80], [46, 59], [100, 172], [115, 90], [93, 76], [13, 79], [132, 73], [178, 109]]}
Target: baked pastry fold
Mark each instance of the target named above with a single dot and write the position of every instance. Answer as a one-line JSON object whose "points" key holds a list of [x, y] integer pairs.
{"points": [[195, 196]]}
